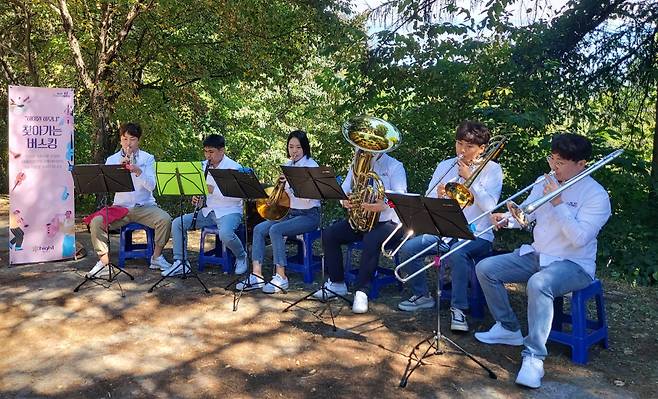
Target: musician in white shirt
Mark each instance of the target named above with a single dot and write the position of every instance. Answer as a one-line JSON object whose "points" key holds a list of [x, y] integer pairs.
{"points": [[391, 172], [471, 139], [560, 260], [223, 212], [140, 203], [303, 216]]}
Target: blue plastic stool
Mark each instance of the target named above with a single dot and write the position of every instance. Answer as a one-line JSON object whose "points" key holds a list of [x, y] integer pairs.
{"points": [[584, 332], [304, 261], [476, 299], [130, 250], [219, 254], [383, 276]]}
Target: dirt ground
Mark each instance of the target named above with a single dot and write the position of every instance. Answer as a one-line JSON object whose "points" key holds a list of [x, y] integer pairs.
{"points": [[180, 342]]}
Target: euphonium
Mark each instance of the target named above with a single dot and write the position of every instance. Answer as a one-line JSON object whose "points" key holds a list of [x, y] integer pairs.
{"points": [[460, 191], [370, 136], [276, 205]]}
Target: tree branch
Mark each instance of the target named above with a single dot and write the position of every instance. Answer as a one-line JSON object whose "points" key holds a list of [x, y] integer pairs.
{"points": [[67, 24]]}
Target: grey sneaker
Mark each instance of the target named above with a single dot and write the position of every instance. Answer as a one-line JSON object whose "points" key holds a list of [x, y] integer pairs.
{"points": [[276, 285], [252, 282], [176, 269], [241, 265], [458, 320], [159, 263], [417, 302]]}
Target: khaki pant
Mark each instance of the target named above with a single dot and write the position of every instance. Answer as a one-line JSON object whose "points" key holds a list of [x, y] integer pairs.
{"points": [[150, 216]]}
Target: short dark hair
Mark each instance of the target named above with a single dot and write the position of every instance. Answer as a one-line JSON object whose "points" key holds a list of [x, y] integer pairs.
{"points": [[131, 128], [303, 141], [214, 140], [473, 132], [572, 147]]}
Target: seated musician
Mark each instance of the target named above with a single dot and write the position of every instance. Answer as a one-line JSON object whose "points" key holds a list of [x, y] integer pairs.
{"points": [[303, 216], [560, 260], [223, 212], [140, 203], [394, 178], [471, 139]]}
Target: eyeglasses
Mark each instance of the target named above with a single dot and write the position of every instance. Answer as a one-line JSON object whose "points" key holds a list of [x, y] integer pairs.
{"points": [[553, 162]]}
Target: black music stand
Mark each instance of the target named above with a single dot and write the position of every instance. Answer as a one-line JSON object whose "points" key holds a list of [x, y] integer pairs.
{"points": [[103, 179], [316, 183], [181, 179], [431, 216], [239, 184]]}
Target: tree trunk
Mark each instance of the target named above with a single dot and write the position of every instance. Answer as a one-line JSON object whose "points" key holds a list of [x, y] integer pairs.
{"points": [[653, 187], [101, 114]]}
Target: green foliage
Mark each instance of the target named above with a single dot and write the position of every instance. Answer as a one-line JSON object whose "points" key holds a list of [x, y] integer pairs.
{"points": [[255, 70]]}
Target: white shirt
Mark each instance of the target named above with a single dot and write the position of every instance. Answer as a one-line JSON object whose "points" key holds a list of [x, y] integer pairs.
{"points": [[568, 231], [144, 183], [216, 201], [391, 172], [301, 203], [485, 189]]}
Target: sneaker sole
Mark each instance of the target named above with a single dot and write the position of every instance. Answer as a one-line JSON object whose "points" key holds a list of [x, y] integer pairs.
{"points": [[510, 342], [250, 288], [414, 308], [458, 327], [527, 384]]}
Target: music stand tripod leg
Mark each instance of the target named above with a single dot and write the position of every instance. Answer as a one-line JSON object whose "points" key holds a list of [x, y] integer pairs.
{"points": [[184, 260], [434, 343]]}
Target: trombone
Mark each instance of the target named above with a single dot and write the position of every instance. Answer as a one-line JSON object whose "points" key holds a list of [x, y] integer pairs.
{"points": [[460, 192], [520, 213]]}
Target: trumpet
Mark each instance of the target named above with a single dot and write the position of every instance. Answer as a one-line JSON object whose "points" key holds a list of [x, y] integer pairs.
{"points": [[519, 213]]}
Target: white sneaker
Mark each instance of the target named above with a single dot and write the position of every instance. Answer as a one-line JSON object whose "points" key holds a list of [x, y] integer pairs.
{"points": [[417, 302], [499, 335], [177, 269], [458, 320], [99, 270], [276, 285], [360, 304], [241, 265], [338, 288], [159, 263], [532, 370], [252, 282]]}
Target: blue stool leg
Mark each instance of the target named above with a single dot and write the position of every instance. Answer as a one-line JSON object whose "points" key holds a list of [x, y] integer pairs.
{"points": [[602, 321], [307, 259], [579, 325], [122, 249]]}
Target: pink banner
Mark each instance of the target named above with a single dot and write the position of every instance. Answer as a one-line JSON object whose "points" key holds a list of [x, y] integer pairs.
{"points": [[41, 205]]}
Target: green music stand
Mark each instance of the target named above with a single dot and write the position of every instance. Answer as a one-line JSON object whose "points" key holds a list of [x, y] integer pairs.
{"points": [[181, 179]]}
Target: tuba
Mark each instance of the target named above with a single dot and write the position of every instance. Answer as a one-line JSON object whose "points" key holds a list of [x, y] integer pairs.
{"points": [[370, 136], [460, 191]]}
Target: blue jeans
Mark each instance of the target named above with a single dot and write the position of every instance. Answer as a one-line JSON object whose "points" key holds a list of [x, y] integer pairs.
{"points": [[297, 221], [460, 263], [544, 284], [227, 225]]}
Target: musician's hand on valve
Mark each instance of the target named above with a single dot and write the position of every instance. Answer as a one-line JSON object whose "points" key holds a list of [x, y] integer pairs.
{"points": [[347, 204], [378, 206], [499, 220], [282, 177], [551, 185]]}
